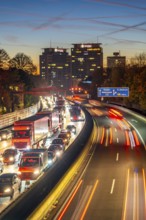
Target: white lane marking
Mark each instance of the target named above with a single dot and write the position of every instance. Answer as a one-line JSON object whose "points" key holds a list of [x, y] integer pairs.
{"points": [[117, 140], [117, 157], [112, 188]]}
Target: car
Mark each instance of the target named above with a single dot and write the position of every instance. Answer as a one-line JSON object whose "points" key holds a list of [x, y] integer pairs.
{"points": [[58, 141], [11, 156], [5, 134], [57, 149], [67, 132], [51, 157], [71, 128], [9, 184], [64, 137]]}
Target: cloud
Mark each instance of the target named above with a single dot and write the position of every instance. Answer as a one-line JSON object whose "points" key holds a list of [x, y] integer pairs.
{"points": [[119, 4], [11, 38]]}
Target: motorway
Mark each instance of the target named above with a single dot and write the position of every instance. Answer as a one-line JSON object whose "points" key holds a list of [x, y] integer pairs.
{"points": [[112, 185]]}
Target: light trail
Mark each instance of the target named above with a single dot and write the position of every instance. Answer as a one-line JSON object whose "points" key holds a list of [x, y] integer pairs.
{"points": [[70, 200], [144, 183], [102, 138], [126, 196], [127, 138], [135, 138], [88, 203], [136, 198], [111, 136]]}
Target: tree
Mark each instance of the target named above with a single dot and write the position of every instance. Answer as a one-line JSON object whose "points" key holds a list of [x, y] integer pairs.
{"points": [[23, 62], [139, 60], [97, 80], [7, 80], [4, 59]]}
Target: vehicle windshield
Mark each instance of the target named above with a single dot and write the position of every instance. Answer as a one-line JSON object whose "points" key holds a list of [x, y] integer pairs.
{"points": [[29, 162], [9, 152], [5, 180], [19, 134], [57, 141]]}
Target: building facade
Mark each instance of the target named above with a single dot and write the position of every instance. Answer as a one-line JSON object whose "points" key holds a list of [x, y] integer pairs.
{"points": [[86, 59], [116, 60], [55, 67]]}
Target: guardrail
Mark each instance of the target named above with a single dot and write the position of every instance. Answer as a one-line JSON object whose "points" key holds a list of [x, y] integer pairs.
{"points": [[9, 118]]}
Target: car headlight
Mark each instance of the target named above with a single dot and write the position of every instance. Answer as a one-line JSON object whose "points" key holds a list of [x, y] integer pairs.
{"points": [[58, 153], [7, 190], [50, 161], [28, 147], [11, 158], [36, 172]]}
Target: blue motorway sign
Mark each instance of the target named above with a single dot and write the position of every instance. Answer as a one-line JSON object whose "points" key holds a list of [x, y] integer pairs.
{"points": [[113, 92]]}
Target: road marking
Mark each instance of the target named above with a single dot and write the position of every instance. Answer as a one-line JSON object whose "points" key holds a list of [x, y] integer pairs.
{"points": [[112, 188], [117, 140], [117, 157]]}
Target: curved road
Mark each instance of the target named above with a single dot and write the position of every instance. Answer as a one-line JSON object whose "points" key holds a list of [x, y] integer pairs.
{"points": [[113, 184]]}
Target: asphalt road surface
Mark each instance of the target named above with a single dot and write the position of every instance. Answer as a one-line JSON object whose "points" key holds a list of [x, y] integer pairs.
{"points": [[113, 183]]}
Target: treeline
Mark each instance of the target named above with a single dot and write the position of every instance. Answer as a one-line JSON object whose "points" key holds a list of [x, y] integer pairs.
{"points": [[132, 75], [16, 74]]}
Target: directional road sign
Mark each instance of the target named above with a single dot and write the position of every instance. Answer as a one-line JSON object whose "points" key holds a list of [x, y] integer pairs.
{"points": [[113, 92]]}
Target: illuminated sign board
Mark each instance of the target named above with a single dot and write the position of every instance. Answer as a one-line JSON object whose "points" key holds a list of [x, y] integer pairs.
{"points": [[86, 45], [113, 92], [59, 50]]}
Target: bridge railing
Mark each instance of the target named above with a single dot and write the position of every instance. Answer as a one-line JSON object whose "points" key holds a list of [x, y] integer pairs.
{"points": [[9, 118]]}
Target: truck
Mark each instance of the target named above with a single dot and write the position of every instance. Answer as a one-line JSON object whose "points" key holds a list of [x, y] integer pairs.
{"points": [[32, 164], [31, 132]]}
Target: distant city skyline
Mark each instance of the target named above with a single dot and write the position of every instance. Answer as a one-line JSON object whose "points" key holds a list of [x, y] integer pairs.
{"points": [[30, 25]]}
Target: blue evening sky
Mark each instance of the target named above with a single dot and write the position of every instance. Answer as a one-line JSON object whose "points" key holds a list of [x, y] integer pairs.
{"points": [[30, 25]]}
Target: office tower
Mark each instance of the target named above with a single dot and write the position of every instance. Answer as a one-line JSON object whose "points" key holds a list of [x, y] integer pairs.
{"points": [[86, 59], [55, 67], [116, 60]]}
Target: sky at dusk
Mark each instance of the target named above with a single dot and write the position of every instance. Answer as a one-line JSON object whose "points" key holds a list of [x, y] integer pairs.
{"points": [[30, 25]]}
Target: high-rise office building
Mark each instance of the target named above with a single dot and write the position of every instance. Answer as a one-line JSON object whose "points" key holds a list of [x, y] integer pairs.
{"points": [[116, 60], [55, 67], [86, 59]]}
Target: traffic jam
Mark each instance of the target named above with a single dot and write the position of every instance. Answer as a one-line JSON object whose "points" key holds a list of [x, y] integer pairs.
{"points": [[33, 145]]}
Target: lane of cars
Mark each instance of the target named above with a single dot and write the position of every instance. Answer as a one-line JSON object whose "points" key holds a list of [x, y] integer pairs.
{"points": [[10, 183], [10, 161]]}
